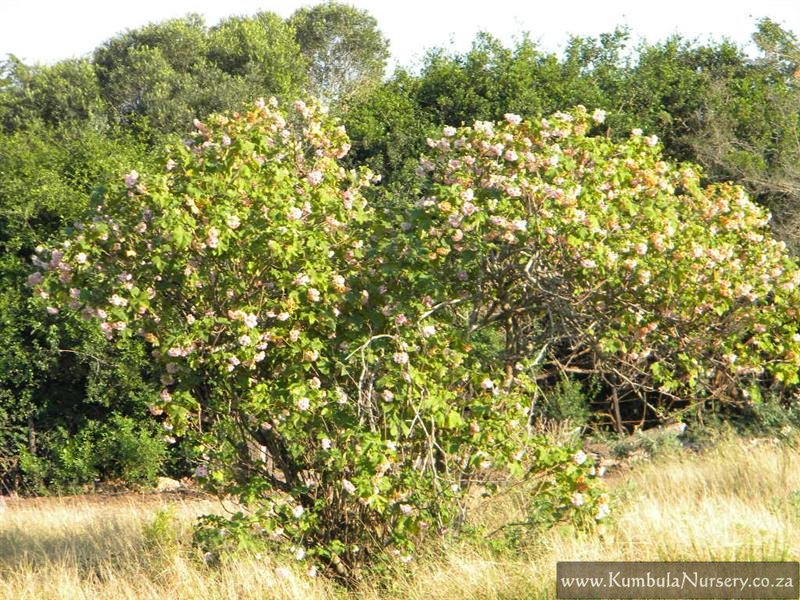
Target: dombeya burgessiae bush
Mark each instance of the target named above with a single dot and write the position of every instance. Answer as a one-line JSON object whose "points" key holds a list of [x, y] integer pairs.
{"points": [[602, 259], [346, 412]]}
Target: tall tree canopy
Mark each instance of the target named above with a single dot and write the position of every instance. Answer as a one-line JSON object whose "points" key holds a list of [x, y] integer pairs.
{"points": [[344, 47]]}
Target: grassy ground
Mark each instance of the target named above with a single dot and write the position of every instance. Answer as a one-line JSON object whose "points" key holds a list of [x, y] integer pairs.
{"points": [[738, 501]]}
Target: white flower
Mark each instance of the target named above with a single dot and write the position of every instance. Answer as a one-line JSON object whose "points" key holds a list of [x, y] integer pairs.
{"points": [[485, 127], [401, 358], [294, 214], [299, 554], [304, 403], [577, 499], [313, 294], [487, 384], [469, 208], [201, 471], [602, 512], [233, 221], [520, 224], [512, 118], [314, 177], [345, 148], [338, 282], [131, 179], [250, 320], [212, 238], [117, 300], [579, 457], [302, 279], [406, 509], [449, 131], [387, 395], [636, 132], [651, 140], [325, 443], [428, 331], [599, 115], [348, 486], [298, 511], [245, 340], [283, 316]]}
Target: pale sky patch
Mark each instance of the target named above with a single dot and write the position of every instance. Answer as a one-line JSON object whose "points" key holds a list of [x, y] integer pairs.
{"points": [[47, 31]]}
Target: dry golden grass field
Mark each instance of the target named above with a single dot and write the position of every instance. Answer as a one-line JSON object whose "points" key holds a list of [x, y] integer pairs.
{"points": [[739, 500]]}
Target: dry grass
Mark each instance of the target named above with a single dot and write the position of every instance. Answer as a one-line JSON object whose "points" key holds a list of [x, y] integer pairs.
{"points": [[737, 501]]}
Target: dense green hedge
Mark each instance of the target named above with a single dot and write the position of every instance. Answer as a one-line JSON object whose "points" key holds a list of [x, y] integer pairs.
{"points": [[67, 129]]}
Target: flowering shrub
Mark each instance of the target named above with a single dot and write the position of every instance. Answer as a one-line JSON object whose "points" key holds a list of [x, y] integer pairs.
{"points": [[349, 415], [601, 258]]}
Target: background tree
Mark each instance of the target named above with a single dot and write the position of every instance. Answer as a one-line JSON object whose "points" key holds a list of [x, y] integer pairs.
{"points": [[64, 93], [262, 49], [58, 378], [344, 48], [750, 127]]}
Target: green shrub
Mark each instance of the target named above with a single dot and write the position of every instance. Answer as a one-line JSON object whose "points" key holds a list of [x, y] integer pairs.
{"points": [[316, 382], [64, 463], [601, 258], [130, 451], [567, 401], [163, 532], [121, 451]]}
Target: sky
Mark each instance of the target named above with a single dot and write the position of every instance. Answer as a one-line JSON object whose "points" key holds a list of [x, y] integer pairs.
{"points": [[47, 31]]}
